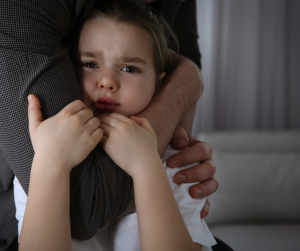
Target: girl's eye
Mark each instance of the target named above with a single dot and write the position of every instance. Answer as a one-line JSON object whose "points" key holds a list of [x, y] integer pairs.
{"points": [[89, 65], [130, 69]]}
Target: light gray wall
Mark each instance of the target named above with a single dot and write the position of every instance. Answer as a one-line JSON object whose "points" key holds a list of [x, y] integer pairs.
{"points": [[251, 65]]}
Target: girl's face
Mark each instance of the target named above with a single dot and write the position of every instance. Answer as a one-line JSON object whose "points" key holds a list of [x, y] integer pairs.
{"points": [[115, 68]]}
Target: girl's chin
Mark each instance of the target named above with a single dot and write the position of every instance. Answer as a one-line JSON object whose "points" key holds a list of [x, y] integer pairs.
{"points": [[99, 116]]}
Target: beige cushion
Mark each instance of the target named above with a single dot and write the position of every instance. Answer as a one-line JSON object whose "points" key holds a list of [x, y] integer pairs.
{"points": [[256, 187], [255, 141], [260, 237]]}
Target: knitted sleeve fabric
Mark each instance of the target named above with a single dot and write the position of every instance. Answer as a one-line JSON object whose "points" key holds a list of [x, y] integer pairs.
{"points": [[185, 27], [182, 17], [33, 60]]}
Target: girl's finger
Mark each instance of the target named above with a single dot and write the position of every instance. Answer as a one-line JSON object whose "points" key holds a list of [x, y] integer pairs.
{"points": [[97, 134], [92, 124], [120, 117], [85, 115], [34, 113], [111, 121], [143, 123], [106, 129], [75, 107]]}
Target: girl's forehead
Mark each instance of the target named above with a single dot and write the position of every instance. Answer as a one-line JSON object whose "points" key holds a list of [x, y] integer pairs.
{"points": [[148, 1], [112, 37]]}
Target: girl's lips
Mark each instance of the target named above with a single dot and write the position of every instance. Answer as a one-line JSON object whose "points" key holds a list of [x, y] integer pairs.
{"points": [[105, 104]]}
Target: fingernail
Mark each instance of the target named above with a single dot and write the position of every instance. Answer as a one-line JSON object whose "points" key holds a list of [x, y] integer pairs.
{"points": [[29, 98], [180, 178], [197, 192], [172, 162]]}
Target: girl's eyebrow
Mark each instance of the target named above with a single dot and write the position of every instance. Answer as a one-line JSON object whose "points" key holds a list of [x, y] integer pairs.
{"points": [[134, 59], [98, 54], [92, 54]]}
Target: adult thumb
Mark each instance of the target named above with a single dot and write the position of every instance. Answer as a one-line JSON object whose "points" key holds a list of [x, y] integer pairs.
{"points": [[34, 113], [179, 139]]}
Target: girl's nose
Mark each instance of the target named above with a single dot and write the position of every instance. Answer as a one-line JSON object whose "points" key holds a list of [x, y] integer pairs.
{"points": [[108, 82]]}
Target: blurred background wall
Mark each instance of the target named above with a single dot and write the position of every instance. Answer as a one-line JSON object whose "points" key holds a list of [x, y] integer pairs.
{"points": [[250, 114], [251, 65]]}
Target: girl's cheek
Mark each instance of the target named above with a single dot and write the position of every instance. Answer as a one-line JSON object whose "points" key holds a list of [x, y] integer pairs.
{"points": [[88, 80], [137, 99]]}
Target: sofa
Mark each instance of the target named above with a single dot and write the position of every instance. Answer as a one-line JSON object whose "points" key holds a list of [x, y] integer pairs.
{"points": [[257, 205]]}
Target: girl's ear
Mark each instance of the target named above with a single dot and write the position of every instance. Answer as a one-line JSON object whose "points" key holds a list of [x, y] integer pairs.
{"points": [[162, 75]]}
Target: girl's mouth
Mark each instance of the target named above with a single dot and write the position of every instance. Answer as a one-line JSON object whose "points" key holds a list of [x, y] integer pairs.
{"points": [[105, 104]]}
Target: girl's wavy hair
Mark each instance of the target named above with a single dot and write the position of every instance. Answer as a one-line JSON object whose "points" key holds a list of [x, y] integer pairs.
{"points": [[141, 15]]}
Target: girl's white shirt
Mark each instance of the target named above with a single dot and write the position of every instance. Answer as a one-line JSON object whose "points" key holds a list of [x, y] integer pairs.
{"points": [[122, 233]]}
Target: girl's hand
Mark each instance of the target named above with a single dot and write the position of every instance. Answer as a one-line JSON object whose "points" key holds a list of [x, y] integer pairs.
{"points": [[130, 142], [65, 139]]}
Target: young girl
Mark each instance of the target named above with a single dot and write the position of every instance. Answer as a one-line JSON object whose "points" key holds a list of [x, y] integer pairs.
{"points": [[120, 61]]}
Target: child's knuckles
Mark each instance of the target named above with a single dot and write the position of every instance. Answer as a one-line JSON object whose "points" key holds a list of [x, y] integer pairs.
{"points": [[96, 121], [125, 127], [64, 113], [76, 120], [78, 103], [133, 124], [90, 113]]}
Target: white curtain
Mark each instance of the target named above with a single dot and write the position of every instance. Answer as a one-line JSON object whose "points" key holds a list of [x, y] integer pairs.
{"points": [[251, 65]]}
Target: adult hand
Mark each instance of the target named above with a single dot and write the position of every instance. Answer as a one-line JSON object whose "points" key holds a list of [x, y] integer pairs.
{"points": [[197, 151]]}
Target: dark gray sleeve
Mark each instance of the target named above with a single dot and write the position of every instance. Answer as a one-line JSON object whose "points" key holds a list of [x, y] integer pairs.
{"points": [[33, 60], [8, 223], [185, 27]]}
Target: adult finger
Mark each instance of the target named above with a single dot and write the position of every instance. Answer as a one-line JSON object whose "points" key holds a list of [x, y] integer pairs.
{"points": [[205, 209], [199, 151], [179, 139], [34, 113], [197, 173], [204, 188], [75, 107]]}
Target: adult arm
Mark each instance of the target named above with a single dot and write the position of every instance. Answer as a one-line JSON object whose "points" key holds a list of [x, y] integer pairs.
{"points": [[185, 27], [166, 111], [175, 103], [184, 23], [181, 90], [184, 86], [34, 60]]}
